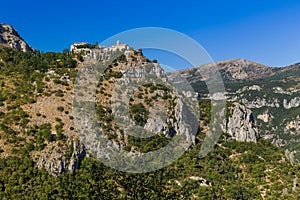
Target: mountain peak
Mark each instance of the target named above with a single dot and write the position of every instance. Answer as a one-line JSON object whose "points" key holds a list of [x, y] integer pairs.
{"points": [[9, 37], [234, 70]]}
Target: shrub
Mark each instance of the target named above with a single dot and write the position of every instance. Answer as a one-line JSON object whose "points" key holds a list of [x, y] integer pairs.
{"points": [[139, 113], [60, 108], [59, 93]]}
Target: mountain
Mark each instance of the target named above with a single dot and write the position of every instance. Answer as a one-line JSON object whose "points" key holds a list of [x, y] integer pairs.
{"points": [[44, 156], [271, 93], [233, 70], [10, 37]]}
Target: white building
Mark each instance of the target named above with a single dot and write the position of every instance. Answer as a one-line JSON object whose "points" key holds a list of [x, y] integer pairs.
{"points": [[84, 46], [119, 46], [78, 47]]}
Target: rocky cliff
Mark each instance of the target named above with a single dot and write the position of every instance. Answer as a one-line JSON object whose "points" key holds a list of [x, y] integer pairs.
{"points": [[62, 157], [10, 37], [240, 124]]}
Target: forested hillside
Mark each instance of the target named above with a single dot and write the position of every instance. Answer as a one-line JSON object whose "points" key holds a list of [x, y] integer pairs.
{"points": [[36, 118]]}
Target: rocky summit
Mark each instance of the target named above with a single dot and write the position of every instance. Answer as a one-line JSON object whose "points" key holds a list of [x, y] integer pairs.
{"points": [[10, 37]]}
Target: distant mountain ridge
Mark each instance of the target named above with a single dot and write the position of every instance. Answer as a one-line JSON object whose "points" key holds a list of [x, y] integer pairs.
{"points": [[238, 70], [9, 37], [233, 70]]}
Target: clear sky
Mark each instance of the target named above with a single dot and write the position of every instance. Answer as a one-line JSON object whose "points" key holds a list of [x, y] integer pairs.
{"points": [[265, 31]]}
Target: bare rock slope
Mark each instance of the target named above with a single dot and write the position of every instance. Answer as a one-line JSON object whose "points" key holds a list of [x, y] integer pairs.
{"points": [[10, 37]]}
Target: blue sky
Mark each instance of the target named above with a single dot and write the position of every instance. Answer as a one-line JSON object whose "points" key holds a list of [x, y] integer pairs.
{"points": [[265, 31]]}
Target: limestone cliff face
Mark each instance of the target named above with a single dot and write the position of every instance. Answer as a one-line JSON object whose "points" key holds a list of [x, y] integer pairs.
{"points": [[184, 122], [142, 83], [61, 158], [240, 124], [10, 37]]}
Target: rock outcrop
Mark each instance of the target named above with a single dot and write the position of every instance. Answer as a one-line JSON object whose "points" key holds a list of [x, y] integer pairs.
{"points": [[265, 117], [293, 127], [184, 122], [261, 102], [240, 124], [10, 37], [295, 102], [61, 158], [290, 155]]}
